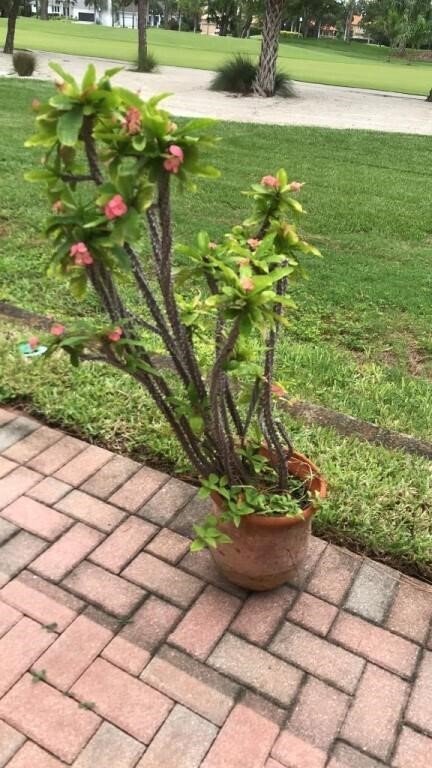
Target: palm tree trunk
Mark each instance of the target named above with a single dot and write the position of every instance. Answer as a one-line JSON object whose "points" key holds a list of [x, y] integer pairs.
{"points": [[265, 80], [44, 10], [11, 24], [142, 34], [166, 13]]}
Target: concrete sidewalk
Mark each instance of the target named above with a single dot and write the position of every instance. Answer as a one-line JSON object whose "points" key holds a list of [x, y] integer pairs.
{"points": [[316, 105]]}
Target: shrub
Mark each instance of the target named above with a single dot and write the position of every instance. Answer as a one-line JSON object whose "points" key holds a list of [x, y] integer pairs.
{"points": [[24, 63], [222, 409], [237, 75], [149, 64], [286, 35]]}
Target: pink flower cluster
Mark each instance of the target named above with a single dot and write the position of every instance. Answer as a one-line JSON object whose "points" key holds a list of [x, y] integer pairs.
{"points": [[296, 186], [253, 242], [115, 207], [81, 255], [132, 121], [174, 161], [115, 335], [270, 181], [57, 207], [33, 342], [247, 284], [57, 329]]}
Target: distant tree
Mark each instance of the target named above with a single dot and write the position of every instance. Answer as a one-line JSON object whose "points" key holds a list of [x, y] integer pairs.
{"points": [[192, 11]]}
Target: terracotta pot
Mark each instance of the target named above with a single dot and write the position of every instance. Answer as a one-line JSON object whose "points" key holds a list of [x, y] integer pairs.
{"points": [[267, 551]]}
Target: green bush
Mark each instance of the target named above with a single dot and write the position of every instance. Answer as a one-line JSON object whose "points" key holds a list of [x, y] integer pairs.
{"points": [[24, 63], [237, 75]]}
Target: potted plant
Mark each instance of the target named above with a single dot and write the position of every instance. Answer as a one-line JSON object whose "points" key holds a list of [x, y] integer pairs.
{"points": [[214, 308]]}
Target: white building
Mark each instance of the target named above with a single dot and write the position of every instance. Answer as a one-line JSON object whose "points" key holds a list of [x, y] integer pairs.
{"points": [[78, 11]]}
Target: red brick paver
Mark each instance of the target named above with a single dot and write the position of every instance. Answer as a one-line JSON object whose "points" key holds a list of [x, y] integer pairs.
{"points": [[32, 756], [375, 644], [375, 713], [205, 622], [294, 752], [52, 720], [123, 544], [120, 648], [123, 700], [37, 518], [245, 740]]}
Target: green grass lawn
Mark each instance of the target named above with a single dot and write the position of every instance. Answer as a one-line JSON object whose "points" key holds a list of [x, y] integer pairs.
{"points": [[361, 341], [316, 61]]}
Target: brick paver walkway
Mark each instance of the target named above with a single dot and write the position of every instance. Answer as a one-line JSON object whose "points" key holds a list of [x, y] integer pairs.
{"points": [[120, 649]]}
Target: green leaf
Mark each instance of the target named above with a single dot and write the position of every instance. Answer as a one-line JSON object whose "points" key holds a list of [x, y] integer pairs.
{"points": [[89, 78], [78, 285], [60, 71], [197, 545], [203, 241], [61, 101], [69, 126], [40, 174], [197, 424], [113, 71], [198, 124]]}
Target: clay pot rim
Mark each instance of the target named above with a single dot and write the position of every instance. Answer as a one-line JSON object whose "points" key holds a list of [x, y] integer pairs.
{"points": [[300, 466]]}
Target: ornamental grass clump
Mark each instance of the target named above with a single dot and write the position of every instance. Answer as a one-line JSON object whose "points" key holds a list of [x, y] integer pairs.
{"points": [[110, 163], [238, 75], [24, 63]]}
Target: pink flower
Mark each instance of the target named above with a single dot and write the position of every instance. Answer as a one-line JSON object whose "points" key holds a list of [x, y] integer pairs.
{"points": [[115, 335], [132, 121], [253, 242], [270, 181], [33, 342], [81, 255], [115, 207], [57, 329], [176, 158], [247, 283], [295, 186], [277, 390], [57, 207]]}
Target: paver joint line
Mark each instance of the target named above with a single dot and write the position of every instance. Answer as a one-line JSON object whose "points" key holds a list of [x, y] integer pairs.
{"points": [[98, 590]]}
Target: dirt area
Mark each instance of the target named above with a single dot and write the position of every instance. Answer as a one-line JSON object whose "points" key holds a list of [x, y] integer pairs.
{"points": [[314, 105]]}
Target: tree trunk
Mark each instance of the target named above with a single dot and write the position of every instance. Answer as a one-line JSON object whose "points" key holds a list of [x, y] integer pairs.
{"points": [[348, 23], [246, 26], [223, 28], [166, 13], [44, 10], [265, 80], [142, 34], [11, 24]]}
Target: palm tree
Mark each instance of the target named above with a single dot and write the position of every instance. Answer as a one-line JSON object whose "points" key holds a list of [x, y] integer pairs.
{"points": [[143, 9], [265, 80]]}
